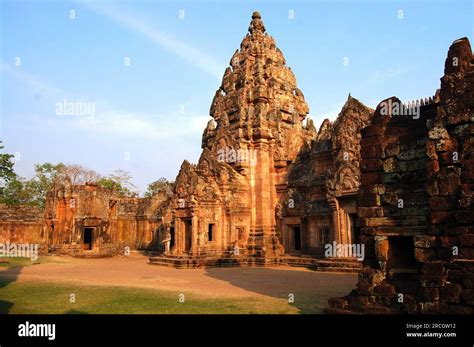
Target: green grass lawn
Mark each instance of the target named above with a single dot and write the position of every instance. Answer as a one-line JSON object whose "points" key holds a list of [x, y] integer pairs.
{"points": [[44, 297], [14, 261], [53, 298]]}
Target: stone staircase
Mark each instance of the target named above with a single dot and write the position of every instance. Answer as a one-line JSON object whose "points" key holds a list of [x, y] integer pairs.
{"points": [[325, 264], [346, 265]]}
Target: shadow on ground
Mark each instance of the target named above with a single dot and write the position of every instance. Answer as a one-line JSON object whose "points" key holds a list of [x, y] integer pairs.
{"points": [[8, 276], [309, 290], [75, 312]]}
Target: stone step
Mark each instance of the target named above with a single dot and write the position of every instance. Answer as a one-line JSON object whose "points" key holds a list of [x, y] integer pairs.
{"points": [[338, 269]]}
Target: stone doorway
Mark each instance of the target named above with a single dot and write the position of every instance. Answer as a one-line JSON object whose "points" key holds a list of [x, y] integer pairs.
{"points": [[188, 234], [296, 235], [87, 239], [172, 241], [353, 230]]}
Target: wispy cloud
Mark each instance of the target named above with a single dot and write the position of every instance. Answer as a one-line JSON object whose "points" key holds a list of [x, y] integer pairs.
{"points": [[39, 86], [108, 119], [178, 47], [388, 74]]}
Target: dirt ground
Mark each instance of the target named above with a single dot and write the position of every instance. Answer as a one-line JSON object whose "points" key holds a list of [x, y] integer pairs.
{"points": [[133, 271]]}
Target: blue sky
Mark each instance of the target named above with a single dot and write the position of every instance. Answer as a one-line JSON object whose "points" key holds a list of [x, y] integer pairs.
{"points": [[149, 116]]}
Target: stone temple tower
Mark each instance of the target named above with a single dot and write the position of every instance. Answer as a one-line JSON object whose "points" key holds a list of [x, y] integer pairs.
{"points": [[257, 129]]}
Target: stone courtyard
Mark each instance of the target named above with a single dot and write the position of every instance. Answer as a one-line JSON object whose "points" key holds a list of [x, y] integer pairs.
{"points": [[310, 289]]}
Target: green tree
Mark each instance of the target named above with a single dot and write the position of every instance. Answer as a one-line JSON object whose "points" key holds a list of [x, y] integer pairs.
{"points": [[6, 166], [46, 176], [18, 191], [161, 184], [120, 181]]}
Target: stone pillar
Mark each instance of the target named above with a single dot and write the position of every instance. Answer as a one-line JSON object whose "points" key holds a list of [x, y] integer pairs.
{"points": [[194, 233], [336, 233], [262, 238]]}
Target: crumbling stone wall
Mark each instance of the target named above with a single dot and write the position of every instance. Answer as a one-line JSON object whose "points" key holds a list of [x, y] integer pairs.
{"points": [[451, 159], [415, 204]]}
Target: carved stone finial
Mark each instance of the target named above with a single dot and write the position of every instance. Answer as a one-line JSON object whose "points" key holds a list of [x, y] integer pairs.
{"points": [[256, 25]]}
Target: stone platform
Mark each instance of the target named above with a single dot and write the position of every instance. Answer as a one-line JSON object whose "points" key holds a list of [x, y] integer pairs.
{"points": [[92, 255], [346, 265]]}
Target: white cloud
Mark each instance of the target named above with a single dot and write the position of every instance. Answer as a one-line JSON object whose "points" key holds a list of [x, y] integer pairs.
{"points": [[181, 49]]}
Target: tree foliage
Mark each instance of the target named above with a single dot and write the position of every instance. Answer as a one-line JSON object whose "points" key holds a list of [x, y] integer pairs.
{"points": [[18, 190], [6, 166], [161, 184], [120, 181], [77, 174]]}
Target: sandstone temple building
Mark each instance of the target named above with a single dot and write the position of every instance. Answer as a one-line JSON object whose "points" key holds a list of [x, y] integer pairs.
{"points": [[270, 189]]}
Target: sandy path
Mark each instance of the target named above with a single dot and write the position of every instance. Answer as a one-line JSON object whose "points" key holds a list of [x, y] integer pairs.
{"points": [[134, 271]]}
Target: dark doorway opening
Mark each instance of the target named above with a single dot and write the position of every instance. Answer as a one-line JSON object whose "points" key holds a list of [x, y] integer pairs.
{"points": [[87, 239], [172, 241], [401, 253], [354, 230], [297, 238], [188, 234], [210, 232]]}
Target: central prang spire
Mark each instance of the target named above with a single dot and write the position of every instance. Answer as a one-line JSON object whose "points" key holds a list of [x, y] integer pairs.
{"points": [[258, 99]]}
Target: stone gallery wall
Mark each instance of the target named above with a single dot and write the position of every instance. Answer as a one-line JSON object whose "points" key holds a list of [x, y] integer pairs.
{"points": [[90, 218], [21, 224]]}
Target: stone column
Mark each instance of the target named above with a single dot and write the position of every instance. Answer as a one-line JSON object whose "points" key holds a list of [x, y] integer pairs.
{"points": [[262, 237], [335, 219], [194, 234]]}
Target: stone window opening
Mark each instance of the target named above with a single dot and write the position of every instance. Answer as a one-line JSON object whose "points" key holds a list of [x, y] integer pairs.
{"points": [[324, 235], [401, 253]]}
